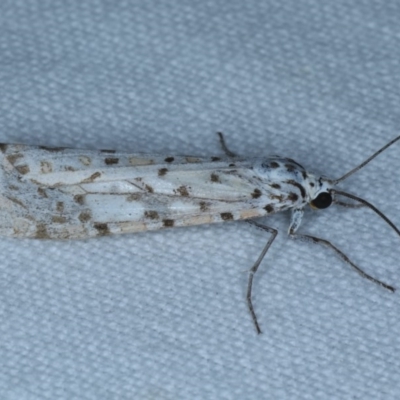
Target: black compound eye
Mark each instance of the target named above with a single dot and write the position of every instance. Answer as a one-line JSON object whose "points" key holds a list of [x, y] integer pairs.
{"points": [[323, 200]]}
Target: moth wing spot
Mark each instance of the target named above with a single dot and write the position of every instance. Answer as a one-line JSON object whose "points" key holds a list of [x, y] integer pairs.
{"points": [[22, 169], [102, 229], [215, 178], [169, 159], [151, 214], [183, 191], [226, 216], [85, 216], [111, 160], [162, 171], [269, 208], [168, 223], [256, 193]]}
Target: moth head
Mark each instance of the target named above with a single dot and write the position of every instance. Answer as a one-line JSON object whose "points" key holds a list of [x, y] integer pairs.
{"points": [[320, 193]]}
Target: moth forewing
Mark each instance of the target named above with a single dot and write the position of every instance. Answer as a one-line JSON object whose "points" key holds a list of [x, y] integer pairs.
{"points": [[59, 193]]}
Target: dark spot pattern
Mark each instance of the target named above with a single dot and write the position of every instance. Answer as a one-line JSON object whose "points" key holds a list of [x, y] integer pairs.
{"points": [[256, 194], [108, 151], [215, 159], [293, 196], [102, 229], [168, 223], [52, 149], [14, 157], [42, 192], [92, 177], [60, 206], [215, 178], [182, 190], [274, 164], [149, 188], [169, 159], [134, 197], [276, 186], [80, 199], [41, 232], [111, 160], [297, 184], [203, 206], [58, 219], [269, 208], [290, 167], [85, 216], [162, 171], [226, 216], [3, 147], [151, 214], [22, 169]]}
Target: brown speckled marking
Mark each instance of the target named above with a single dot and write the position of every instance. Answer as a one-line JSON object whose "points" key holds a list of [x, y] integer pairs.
{"points": [[182, 190], [134, 197], [42, 192], [256, 194], [60, 206], [293, 196], [226, 216], [149, 188], [108, 151], [290, 167], [14, 157], [102, 229], [169, 159], [294, 183], [46, 167], [80, 199], [17, 201], [85, 160], [168, 223], [52, 149], [162, 171], [58, 219], [269, 208], [278, 197], [69, 168], [41, 232], [22, 169], [111, 160], [215, 159], [203, 206], [276, 186], [274, 164], [92, 177], [3, 147], [13, 187], [151, 214], [215, 178], [85, 216]]}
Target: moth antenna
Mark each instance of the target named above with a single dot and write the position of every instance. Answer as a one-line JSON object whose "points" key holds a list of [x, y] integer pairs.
{"points": [[363, 164], [369, 205]]}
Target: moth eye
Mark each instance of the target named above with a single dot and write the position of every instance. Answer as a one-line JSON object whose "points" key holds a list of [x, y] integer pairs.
{"points": [[323, 200]]}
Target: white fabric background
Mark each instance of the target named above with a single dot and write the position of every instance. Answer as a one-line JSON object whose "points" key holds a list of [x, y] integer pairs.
{"points": [[162, 315]]}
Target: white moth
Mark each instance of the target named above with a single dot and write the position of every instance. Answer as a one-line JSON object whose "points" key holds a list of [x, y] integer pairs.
{"points": [[60, 193]]}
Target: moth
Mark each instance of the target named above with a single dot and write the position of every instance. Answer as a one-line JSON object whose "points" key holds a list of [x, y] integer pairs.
{"points": [[62, 193]]}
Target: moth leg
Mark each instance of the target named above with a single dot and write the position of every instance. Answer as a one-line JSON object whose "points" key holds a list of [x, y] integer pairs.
{"points": [[254, 269], [324, 242], [224, 146]]}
